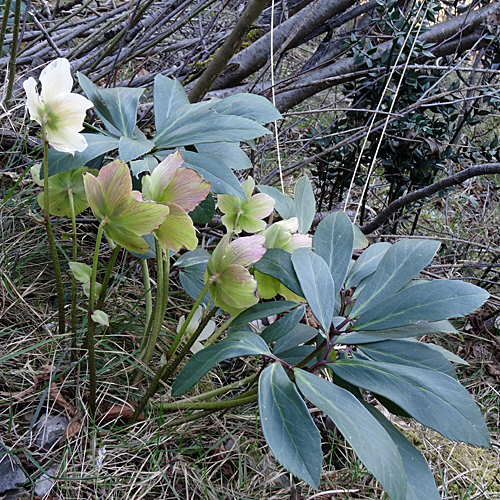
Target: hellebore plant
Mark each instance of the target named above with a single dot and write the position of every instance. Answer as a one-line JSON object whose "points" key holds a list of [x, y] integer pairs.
{"points": [[61, 115]]}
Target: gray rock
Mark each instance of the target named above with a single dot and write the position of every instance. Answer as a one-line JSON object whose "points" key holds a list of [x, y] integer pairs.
{"points": [[49, 430], [11, 475], [45, 482]]}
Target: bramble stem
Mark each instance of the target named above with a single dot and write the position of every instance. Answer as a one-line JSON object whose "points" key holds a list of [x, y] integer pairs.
{"points": [[91, 327], [50, 234]]}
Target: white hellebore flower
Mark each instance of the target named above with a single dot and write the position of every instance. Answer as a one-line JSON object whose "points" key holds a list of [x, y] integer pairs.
{"points": [[57, 108], [193, 326]]}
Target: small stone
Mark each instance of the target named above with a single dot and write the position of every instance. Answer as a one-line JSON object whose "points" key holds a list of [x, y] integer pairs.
{"points": [[49, 430], [45, 482], [11, 475]]}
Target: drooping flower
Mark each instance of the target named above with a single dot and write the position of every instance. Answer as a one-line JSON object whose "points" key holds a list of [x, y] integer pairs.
{"points": [[181, 190], [193, 326], [125, 215], [245, 215], [57, 108], [282, 234], [232, 287], [61, 186]]}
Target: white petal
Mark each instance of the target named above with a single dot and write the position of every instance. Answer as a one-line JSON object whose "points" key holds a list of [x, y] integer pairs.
{"points": [[56, 80], [66, 140], [182, 320], [69, 110], [207, 331], [197, 346], [33, 100]]}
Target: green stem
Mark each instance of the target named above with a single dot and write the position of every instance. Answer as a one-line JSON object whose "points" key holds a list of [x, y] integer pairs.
{"points": [[179, 336], [249, 397], [147, 292], [167, 369], [312, 355], [3, 29], [50, 234], [215, 336], [91, 327], [75, 258], [159, 313], [107, 277]]}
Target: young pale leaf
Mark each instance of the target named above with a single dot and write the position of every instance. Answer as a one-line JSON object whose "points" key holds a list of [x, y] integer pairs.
{"points": [[251, 106], [122, 103], [333, 241], [295, 337], [370, 441], [409, 353], [401, 263], [316, 283], [221, 178], [284, 325], [169, 96], [305, 203], [285, 206], [288, 428], [235, 345], [367, 263], [431, 397], [82, 272], [278, 264], [421, 484], [432, 300], [263, 310], [100, 317]]}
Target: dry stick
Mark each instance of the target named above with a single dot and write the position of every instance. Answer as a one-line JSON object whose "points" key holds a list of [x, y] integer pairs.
{"points": [[453, 180], [13, 53]]}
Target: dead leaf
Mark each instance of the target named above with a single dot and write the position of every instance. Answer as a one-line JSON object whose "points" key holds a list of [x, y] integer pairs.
{"points": [[311, 320], [56, 396], [73, 428], [18, 396], [119, 411], [493, 370], [219, 454], [45, 373]]}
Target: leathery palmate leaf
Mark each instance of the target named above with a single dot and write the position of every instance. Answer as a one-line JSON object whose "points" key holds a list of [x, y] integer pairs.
{"points": [[316, 283], [239, 343], [169, 96], [434, 399], [365, 434], [295, 337], [333, 241], [432, 300], [288, 428], [285, 206], [284, 325], [305, 203], [367, 263], [251, 106], [263, 310], [401, 263]]}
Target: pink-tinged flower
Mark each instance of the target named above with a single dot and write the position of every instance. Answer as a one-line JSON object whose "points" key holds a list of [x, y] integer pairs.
{"points": [[232, 287], [57, 108], [282, 235], [245, 215], [125, 215], [181, 189]]}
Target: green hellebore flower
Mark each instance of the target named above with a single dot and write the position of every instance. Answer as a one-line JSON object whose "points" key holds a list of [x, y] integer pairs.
{"points": [[232, 287], [241, 215], [181, 189], [57, 108], [125, 215], [60, 187]]}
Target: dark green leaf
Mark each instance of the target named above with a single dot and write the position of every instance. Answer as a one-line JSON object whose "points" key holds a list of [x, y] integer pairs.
{"points": [[288, 427], [235, 345], [409, 353], [222, 178], [193, 285], [433, 398], [197, 123], [333, 241], [401, 263], [285, 206], [193, 258], [169, 96], [278, 264], [204, 212], [367, 263], [364, 433], [263, 310], [296, 354], [403, 332], [281, 327], [432, 300], [97, 144], [297, 336], [226, 153], [316, 283], [305, 203], [251, 106], [130, 149], [420, 481]]}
